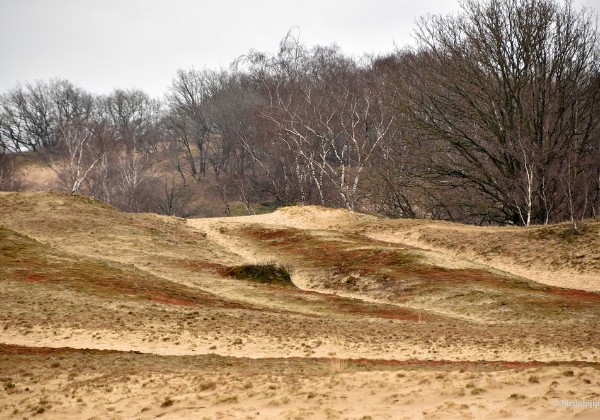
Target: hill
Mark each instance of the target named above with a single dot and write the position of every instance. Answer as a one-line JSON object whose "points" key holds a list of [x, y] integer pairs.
{"points": [[111, 314]]}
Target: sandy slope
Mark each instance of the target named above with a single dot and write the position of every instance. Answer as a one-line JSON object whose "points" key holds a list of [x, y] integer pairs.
{"points": [[545, 269], [109, 315], [537, 270]]}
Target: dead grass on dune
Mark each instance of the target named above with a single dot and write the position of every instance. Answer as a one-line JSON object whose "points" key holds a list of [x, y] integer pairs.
{"points": [[77, 223], [555, 255], [59, 383], [354, 263], [385, 328], [556, 247], [552, 254], [346, 260], [24, 259]]}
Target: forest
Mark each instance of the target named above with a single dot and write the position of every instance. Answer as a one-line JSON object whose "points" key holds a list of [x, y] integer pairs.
{"points": [[493, 117]]}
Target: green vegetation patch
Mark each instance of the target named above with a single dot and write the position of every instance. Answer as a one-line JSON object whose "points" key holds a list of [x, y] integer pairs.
{"points": [[262, 273]]}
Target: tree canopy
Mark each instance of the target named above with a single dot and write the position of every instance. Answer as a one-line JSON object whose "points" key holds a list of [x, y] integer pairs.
{"points": [[493, 117]]}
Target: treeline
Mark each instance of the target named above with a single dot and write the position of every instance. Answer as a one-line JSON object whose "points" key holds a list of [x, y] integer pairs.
{"points": [[493, 118]]}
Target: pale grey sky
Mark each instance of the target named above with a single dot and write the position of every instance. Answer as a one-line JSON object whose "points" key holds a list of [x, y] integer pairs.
{"points": [[104, 44]]}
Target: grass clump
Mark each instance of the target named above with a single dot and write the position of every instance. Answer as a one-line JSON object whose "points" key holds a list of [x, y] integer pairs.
{"points": [[262, 273], [9, 385], [568, 373], [208, 386], [232, 399]]}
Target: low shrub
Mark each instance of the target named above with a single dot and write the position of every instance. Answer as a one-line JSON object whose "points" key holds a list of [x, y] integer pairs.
{"points": [[262, 273]]}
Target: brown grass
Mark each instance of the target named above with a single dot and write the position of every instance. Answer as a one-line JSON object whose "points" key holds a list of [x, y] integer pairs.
{"points": [[375, 321]]}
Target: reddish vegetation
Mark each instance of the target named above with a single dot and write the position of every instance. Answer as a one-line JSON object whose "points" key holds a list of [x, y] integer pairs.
{"points": [[397, 263], [392, 268], [348, 305], [451, 363], [33, 278], [164, 298], [16, 349], [358, 307], [574, 294], [92, 279], [281, 235], [8, 349]]}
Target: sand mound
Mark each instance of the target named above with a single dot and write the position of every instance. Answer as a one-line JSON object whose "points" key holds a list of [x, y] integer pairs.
{"points": [[106, 314], [316, 217]]}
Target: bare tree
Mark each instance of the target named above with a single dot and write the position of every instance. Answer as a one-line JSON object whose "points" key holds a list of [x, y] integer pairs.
{"points": [[176, 200], [135, 118], [59, 122], [80, 148], [502, 91], [188, 117], [31, 116], [330, 119]]}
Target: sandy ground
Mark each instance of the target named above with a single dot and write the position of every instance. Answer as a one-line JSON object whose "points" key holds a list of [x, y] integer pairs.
{"points": [[109, 315], [332, 390]]}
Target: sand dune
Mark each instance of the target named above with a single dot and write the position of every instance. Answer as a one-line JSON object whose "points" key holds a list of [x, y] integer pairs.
{"points": [[113, 315]]}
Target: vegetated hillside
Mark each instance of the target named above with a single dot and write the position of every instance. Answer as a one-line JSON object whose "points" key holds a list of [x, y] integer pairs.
{"points": [[405, 134], [107, 313], [550, 254]]}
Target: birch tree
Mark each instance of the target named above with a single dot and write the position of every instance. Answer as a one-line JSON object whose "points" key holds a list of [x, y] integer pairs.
{"points": [[80, 148], [322, 108]]}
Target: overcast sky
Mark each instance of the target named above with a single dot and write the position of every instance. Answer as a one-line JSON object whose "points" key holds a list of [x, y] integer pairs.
{"points": [[101, 45]]}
